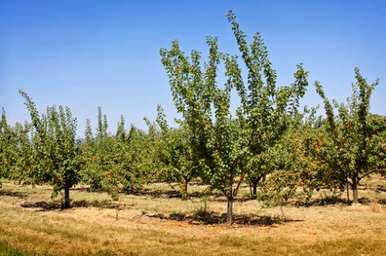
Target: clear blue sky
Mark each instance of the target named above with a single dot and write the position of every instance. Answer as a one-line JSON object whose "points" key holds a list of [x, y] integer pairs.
{"points": [[86, 54]]}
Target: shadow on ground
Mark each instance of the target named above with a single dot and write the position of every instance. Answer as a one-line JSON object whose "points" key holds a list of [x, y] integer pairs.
{"points": [[331, 200], [208, 218], [380, 189], [13, 193], [212, 196], [334, 201], [382, 201], [171, 194], [57, 205]]}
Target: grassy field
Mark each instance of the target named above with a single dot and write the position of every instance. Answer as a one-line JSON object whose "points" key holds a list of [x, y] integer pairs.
{"points": [[157, 222]]}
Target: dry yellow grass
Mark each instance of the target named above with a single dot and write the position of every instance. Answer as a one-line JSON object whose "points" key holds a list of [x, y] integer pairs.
{"points": [[318, 230]]}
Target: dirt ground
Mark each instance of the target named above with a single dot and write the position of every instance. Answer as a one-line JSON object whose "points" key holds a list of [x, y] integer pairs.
{"points": [[158, 222]]}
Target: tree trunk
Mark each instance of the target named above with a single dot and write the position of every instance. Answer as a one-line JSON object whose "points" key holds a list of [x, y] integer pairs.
{"points": [[230, 209], [253, 188], [281, 210], [253, 184], [66, 203], [117, 213], [355, 190], [348, 192], [184, 189]]}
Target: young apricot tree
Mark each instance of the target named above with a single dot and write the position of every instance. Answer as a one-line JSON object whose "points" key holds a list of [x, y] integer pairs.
{"points": [[228, 147], [355, 148], [175, 154], [218, 145], [267, 108], [56, 146], [7, 147]]}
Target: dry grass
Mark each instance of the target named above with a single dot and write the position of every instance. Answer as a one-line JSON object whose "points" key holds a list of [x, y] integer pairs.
{"points": [[335, 229]]}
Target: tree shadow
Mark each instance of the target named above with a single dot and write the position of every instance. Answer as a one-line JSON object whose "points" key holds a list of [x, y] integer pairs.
{"points": [[211, 218], [163, 193], [212, 196], [380, 188], [364, 200], [58, 205], [157, 193], [237, 199], [17, 194], [382, 201], [330, 200]]}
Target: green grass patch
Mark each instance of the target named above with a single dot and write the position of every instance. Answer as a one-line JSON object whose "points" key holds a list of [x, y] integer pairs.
{"points": [[7, 250]]}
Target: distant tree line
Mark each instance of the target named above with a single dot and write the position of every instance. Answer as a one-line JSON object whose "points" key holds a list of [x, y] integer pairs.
{"points": [[266, 141]]}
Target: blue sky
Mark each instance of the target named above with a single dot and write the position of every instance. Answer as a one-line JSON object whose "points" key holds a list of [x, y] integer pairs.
{"points": [[85, 54]]}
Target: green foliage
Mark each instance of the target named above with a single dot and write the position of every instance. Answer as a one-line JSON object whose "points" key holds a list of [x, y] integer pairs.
{"points": [[292, 162], [121, 134], [175, 154], [355, 145], [117, 163], [6, 147], [56, 146], [26, 158], [305, 139], [226, 146], [217, 144], [266, 108], [88, 136], [278, 188], [265, 140]]}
